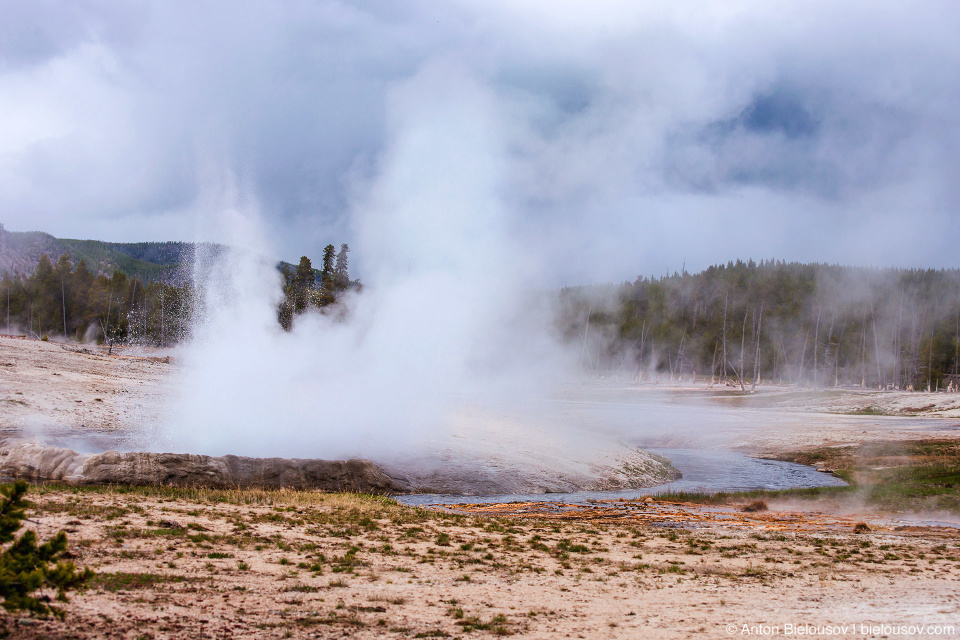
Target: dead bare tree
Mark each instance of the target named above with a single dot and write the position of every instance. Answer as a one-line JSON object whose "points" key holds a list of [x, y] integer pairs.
{"points": [[816, 346], [643, 340], [739, 377], [63, 299], [876, 344], [861, 348], [162, 328], [786, 360], [836, 359], [583, 340], [106, 325], [776, 364], [826, 346], [803, 353], [756, 353], [626, 353], [680, 356], [743, 343], [896, 344], [920, 343], [725, 299], [713, 367]]}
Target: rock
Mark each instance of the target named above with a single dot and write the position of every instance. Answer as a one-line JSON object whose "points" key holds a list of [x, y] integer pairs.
{"points": [[155, 469], [37, 462]]}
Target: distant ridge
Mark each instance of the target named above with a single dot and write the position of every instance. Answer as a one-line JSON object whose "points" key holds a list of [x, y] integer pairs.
{"points": [[149, 261]]}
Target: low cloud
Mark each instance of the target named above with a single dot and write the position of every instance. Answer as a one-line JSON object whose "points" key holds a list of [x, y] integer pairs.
{"points": [[637, 136]]}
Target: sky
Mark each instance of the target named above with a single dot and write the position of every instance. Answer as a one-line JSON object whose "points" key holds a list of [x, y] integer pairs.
{"points": [[631, 138]]}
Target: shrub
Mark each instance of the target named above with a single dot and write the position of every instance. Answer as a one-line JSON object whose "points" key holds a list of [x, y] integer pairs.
{"points": [[26, 567], [756, 505]]}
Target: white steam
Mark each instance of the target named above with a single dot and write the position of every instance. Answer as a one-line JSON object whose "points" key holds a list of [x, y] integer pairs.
{"points": [[446, 319]]}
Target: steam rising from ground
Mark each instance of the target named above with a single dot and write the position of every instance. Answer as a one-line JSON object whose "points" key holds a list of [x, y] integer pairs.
{"points": [[447, 317]]}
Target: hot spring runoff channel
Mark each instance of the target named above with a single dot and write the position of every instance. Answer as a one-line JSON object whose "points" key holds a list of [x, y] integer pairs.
{"points": [[703, 470]]}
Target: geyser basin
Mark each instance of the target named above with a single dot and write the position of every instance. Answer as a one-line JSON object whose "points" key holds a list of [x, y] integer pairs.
{"points": [[479, 469]]}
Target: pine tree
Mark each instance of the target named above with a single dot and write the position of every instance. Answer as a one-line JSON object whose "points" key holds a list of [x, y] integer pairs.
{"points": [[327, 276], [341, 274], [329, 258], [61, 273], [303, 284], [304, 274], [285, 309], [26, 567]]}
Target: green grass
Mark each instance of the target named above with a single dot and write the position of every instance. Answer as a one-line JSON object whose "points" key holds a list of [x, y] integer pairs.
{"points": [[730, 497], [362, 506], [926, 487], [123, 581], [899, 476], [496, 625]]}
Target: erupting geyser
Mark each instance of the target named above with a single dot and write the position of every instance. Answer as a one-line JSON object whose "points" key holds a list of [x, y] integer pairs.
{"points": [[419, 372]]}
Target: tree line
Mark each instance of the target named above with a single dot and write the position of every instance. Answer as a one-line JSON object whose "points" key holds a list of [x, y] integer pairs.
{"points": [[70, 300], [790, 323], [73, 301], [742, 323]]}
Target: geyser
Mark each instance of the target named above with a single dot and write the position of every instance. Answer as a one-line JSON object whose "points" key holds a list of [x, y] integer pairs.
{"points": [[422, 368]]}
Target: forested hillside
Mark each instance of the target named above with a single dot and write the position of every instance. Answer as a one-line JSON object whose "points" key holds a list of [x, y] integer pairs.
{"points": [[20, 252], [808, 324]]}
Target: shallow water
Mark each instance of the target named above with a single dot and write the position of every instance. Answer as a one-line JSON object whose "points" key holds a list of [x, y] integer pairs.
{"points": [[703, 470]]}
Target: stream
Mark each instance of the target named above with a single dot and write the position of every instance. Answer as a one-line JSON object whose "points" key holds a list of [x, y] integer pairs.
{"points": [[708, 470]]}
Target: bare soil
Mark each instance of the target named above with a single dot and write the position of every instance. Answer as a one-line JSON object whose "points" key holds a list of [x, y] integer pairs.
{"points": [[175, 564], [49, 386]]}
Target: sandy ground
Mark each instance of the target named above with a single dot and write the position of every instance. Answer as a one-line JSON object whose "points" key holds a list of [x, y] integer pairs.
{"points": [[220, 565]]}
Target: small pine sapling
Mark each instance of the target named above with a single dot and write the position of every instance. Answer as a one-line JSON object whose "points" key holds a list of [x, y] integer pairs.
{"points": [[26, 567]]}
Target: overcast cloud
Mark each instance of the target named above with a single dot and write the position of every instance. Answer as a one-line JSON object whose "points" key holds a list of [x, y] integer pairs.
{"points": [[637, 136]]}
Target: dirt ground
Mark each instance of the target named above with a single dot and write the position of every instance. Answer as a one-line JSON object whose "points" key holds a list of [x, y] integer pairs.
{"points": [[176, 564], [50, 387]]}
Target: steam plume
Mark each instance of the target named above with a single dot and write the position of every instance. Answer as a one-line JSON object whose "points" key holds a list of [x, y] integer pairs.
{"points": [[441, 320]]}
